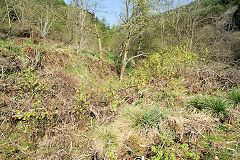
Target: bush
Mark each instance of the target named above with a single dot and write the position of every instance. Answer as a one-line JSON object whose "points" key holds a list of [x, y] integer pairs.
{"points": [[169, 62]]}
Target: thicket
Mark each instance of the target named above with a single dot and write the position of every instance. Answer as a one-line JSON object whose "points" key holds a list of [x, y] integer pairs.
{"points": [[53, 19]]}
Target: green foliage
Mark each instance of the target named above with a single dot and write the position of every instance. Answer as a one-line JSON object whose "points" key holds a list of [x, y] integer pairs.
{"points": [[222, 135], [82, 99], [60, 2], [218, 6], [37, 117], [111, 156], [234, 95], [215, 2], [59, 21], [219, 2], [113, 96], [199, 103], [33, 113], [93, 53], [224, 128], [106, 32], [169, 63], [28, 82], [216, 105], [7, 46], [166, 148], [111, 57]]}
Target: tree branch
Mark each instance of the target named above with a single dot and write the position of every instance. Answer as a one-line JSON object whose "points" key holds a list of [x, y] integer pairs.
{"points": [[135, 57]]}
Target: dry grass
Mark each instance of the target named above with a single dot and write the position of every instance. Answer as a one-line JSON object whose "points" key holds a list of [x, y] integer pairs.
{"points": [[126, 134], [120, 120]]}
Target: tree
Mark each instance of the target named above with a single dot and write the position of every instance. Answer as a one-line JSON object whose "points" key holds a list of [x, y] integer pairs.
{"points": [[134, 22], [94, 19], [46, 17], [77, 17], [106, 32]]}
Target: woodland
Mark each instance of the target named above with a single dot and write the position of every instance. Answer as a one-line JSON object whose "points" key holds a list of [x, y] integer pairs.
{"points": [[162, 84]]}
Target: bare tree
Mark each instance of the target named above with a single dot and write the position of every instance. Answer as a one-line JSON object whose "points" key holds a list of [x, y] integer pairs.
{"points": [[77, 16], [8, 13], [46, 19]]}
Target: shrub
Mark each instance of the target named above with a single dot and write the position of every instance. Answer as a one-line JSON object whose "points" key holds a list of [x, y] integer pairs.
{"points": [[168, 62], [172, 61], [80, 110]]}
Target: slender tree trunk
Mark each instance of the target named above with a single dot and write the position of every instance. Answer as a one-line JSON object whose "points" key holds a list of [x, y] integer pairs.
{"points": [[82, 26], [99, 42], [8, 14], [98, 37], [124, 60]]}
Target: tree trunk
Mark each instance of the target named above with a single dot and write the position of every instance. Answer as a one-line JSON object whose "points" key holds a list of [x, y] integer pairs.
{"points": [[8, 13], [124, 60], [99, 39]]}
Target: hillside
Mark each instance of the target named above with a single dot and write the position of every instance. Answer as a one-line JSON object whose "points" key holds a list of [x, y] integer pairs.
{"points": [[61, 96]]}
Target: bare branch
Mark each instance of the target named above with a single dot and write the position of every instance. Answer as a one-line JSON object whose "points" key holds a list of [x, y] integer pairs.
{"points": [[135, 57]]}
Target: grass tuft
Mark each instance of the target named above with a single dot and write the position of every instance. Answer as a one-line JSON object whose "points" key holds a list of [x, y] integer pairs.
{"points": [[234, 96], [146, 117], [216, 105], [150, 118]]}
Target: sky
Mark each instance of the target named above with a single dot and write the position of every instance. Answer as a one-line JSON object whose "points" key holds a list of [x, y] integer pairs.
{"points": [[111, 9]]}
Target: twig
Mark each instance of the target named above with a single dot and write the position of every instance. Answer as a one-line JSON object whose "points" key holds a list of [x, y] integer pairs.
{"points": [[145, 146], [231, 149], [2, 72]]}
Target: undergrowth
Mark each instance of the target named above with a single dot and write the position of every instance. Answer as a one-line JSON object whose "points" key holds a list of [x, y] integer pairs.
{"points": [[59, 104]]}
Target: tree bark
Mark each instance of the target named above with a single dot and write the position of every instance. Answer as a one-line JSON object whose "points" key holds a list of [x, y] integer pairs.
{"points": [[98, 37], [99, 42], [8, 14], [124, 60]]}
